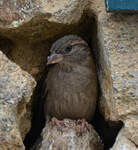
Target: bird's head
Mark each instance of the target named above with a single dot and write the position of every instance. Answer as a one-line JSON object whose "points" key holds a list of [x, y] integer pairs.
{"points": [[70, 48]]}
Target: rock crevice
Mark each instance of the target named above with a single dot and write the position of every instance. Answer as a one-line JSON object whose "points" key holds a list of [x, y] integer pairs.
{"points": [[28, 28]]}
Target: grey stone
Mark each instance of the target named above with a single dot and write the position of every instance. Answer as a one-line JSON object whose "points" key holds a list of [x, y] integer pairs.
{"points": [[69, 137], [127, 138], [117, 58], [36, 20], [16, 88]]}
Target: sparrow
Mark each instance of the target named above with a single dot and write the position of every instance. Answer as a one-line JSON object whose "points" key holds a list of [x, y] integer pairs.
{"points": [[70, 88]]}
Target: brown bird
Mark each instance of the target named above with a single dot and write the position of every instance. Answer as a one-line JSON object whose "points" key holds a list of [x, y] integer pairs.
{"points": [[70, 88]]}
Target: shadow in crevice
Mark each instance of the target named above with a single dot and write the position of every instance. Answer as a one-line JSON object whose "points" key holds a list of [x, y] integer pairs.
{"points": [[38, 118], [108, 131], [6, 45]]}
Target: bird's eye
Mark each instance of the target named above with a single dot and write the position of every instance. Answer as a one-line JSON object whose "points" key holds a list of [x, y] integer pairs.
{"points": [[57, 51], [68, 48]]}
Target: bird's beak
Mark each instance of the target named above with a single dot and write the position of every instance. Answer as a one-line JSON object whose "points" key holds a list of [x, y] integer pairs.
{"points": [[54, 58]]}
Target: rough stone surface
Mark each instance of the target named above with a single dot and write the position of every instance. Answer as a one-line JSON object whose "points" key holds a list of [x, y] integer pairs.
{"points": [[118, 67], [17, 12], [117, 56], [131, 129], [39, 19], [127, 138], [31, 58], [69, 137], [27, 30], [123, 142], [16, 87]]}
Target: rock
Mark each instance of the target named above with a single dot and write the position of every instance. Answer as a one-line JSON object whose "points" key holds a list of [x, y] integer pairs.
{"points": [[69, 137], [128, 136], [38, 19], [122, 143], [116, 52], [31, 57], [16, 88], [117, 63], [28, 28], [131, 129]]}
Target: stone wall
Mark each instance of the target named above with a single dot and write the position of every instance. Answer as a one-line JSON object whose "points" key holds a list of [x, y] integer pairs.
{"points": [[117, 53], [27, 30]]}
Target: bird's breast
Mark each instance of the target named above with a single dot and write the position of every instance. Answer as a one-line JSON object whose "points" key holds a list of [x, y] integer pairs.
{"points": [[71, 94]]}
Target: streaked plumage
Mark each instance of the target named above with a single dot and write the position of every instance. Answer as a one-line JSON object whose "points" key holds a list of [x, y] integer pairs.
{"points": [[71, 83]]}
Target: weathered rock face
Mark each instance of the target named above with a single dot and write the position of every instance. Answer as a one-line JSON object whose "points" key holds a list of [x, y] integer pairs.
{"points": [[118, 75], [38, 19], [31, 58], [16, 87], [30, 27], [122, 142], [15, 13], [117, 41], [131, 129], [128, 136], [69, 137], [117, 54], [27, 30]]}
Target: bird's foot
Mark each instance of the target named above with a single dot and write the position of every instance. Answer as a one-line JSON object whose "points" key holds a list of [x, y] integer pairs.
{"points": [[84, 125], [57, 122]]}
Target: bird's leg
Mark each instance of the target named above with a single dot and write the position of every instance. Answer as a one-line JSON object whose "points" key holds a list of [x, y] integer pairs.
{"points": [[84, 125], [57, 122]]}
